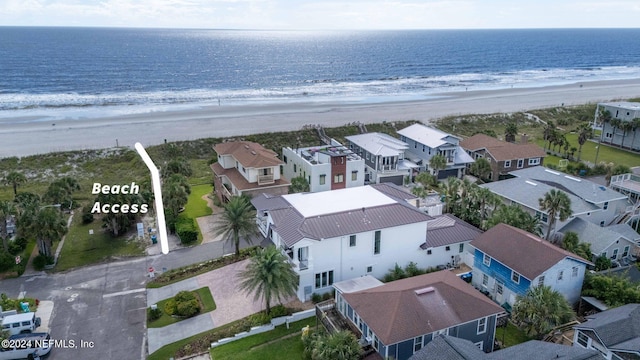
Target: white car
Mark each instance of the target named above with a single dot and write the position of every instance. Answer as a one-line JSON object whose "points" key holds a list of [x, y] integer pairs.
{"points": [[23, 345]]}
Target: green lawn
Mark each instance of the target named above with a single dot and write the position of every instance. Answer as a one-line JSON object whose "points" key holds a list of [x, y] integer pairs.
{"points": [[80, 248], [206, 302], [606, 153], [512, 335], [196, 207], [252, 347]]}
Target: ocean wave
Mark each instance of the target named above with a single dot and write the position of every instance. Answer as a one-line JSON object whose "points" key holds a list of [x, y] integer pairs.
{"points": [[314, 89]]}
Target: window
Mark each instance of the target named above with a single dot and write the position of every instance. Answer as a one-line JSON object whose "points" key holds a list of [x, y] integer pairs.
{"points": [[429, 252], [479, 344], [354, 175], [542, 216], [583, 339], [482, 326], [285, 159], [574, 271], [324, 279], [376, 243], [417, 343], [602, 223], [615, 254], [338, 178], [415, 144], [323, 179], [507, 164], [295, 168], [461, 248], [534, 161], [603, 254], [515, 277], [352, 240], [608, 135], [369, 268], [367, 156], [442, 332], [486, 260], [605, 206], [447, 248], [243, 170], [424, 148], [520, 163], [625, 252], [560, 274], [485, 280], [541, 280]]}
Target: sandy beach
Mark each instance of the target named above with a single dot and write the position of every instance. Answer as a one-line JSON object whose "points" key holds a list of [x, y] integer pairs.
{"points": [[20, 138]]}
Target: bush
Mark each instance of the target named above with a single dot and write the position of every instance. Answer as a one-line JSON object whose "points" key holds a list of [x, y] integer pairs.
{"points": [[40, 261], [260, 318], [186, 230], [327, 296], [154, 314], [316, 298], [87, 216], [280, 310], [183, 304]]}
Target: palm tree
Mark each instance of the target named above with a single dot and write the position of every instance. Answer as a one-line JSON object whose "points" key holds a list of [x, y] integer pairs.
{"points": [[555, 203], [584, 133], [299, 185], [341, 345], [605, 117], [449, 190], [481, 168], [27, 205], [238, 220], [438, 162], [615, 124], [513, 215], [7, 209], [540, 310], [175, 195], [625, 126], [177, 166], [48, 226], [571, 242], [635, 124], [15, 179], [549, 130], [269, 276], [487, 201]]}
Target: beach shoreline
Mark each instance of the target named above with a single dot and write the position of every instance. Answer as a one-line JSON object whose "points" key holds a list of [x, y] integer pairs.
{"points": [[23, 136]]}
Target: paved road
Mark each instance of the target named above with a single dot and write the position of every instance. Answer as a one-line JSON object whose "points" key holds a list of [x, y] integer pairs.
{"points": [[105, 304]]}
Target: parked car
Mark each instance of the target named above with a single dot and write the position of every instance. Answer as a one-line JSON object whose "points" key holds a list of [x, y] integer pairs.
{"points": [[20, 323], [26, 346]]}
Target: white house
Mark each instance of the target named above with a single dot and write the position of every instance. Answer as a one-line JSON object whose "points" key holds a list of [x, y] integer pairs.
{"points": [[425, 142], [342, 234], [623, 125], [509, 261], [384, 157], [448, 239], [326, 167]]}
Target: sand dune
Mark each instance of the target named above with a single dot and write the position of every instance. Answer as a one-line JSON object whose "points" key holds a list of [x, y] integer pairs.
{"points": [[20, 138]]}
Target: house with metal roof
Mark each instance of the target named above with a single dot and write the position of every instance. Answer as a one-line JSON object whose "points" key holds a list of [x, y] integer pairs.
{"points": [[447, 242], [401, 317], [445, 347], [621, 128], [503, 156], [245, 167], [508, 261], [615, 333], [590, 201], [342, 234], [326, 167], [425, 142], [384, 157], [616, 242]]}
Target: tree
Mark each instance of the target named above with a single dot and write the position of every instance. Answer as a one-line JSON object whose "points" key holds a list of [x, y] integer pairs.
{"points": [[341, 345], [513, 215], [15, 179], [177, 166], [540, 310], [604, 116], [48, 226], [269, 276], [26, 205], [7, 209], [436, 163], [298, 185], [118, 222], [602, 263], [635, 124], [625, 126], [510, 132], [481, 168], [449, 190], [175, 197], [549, 130], [571, 242], [487, 202], [555, 203], [238, 220], [615, 124], [611, 289]]}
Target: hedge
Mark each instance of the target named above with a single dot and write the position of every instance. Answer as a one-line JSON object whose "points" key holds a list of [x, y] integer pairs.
{"points": [[186, 230]]}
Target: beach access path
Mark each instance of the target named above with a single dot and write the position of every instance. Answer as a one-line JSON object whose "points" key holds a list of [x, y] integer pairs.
{"points": [[21, 137]]}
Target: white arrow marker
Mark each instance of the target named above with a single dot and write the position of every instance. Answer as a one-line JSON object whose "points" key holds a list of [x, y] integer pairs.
{"points": [[157, 190]]}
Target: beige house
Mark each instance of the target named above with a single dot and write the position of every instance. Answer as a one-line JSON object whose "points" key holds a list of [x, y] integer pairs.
{"points": [[246, 167]]}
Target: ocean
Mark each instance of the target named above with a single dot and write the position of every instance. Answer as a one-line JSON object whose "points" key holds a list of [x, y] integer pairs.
{"points": [[53, 73]]}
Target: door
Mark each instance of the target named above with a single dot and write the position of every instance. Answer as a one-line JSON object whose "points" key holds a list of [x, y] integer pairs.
{"points": [[499, 292]]}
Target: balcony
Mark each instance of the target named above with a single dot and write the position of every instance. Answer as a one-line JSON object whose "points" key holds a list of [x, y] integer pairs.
{"points": [[225, 191], [332, 320], [266, 179], [303, 264]]}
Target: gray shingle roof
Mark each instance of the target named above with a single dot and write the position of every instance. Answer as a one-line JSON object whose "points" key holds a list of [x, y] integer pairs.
{"points": [[521, 251], [447, 229], [445, 347], [394, 191], [618, 328], [379, 144], [599, 237], [266, 202]]}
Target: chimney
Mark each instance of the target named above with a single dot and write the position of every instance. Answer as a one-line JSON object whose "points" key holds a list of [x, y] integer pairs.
{"points": [[524, 138]]}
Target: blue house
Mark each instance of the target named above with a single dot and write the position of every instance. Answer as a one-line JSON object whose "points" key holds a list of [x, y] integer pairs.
{"points": [[508, 261], [400, 317]]}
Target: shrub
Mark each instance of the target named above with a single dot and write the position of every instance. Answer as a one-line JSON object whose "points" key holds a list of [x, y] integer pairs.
{"points": [[316, 298], [87, 216], [154, 314], [327, 296], [186, 230], [183, 304], [39, 262], [188, 308], [280, 310], [260, 318]]}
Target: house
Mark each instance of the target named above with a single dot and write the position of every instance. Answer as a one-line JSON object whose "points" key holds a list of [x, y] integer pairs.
{"points": [[615, 242], [448, 239], [400, 317], [445, 347], [425, 142], [244, 167], [503, 156], [623, 126], [614, 333], [327, 167], [384, 157], [509, 261], [341, 234], [589, 201]]}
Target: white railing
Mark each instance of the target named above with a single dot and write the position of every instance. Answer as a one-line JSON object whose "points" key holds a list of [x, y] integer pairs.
{"points": [[265, 179]]}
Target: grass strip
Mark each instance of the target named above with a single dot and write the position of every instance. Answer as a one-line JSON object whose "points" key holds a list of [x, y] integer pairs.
{"points": [[207, 304]]}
